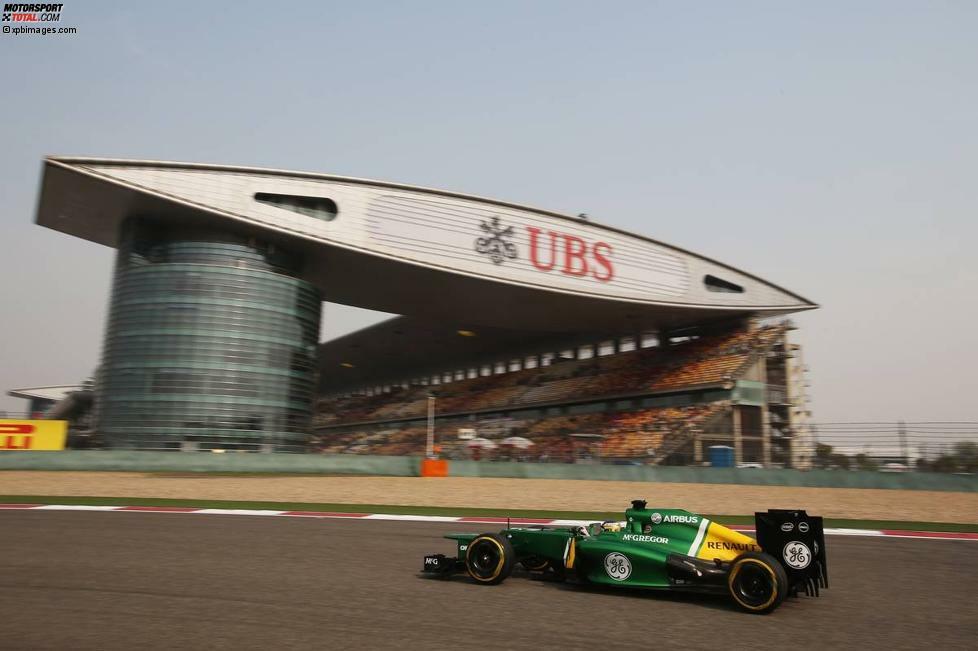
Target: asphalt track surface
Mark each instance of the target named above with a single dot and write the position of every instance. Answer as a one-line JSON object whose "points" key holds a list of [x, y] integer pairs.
{"points": [[89, 580]]}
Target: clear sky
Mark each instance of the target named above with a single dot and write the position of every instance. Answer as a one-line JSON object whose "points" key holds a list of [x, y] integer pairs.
{"points": [[830, 147]]}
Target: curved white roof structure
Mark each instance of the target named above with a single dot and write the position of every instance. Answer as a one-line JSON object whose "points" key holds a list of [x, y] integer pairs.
{"points": [[45, 393], [412, 250]]}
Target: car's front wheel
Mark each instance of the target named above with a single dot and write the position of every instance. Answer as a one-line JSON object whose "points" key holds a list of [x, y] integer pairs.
{"points": [[490, 558], [757, 583]]}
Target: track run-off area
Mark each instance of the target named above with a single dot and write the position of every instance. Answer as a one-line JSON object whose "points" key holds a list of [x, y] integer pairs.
{"points": [[96, 579]]}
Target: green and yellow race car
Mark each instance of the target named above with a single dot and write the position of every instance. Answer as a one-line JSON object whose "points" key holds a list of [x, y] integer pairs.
{"points": [[665, 549]]}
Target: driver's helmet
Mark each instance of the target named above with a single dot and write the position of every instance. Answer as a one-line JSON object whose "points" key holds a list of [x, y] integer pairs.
{"points": [[612, 526]]}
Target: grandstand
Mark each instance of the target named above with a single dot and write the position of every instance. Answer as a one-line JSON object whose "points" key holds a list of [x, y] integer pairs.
{"points": [[645, 401], [532, 335]]}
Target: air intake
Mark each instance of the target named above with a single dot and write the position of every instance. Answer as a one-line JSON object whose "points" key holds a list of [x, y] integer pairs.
{"points": [[316, 207], [715, 284]]}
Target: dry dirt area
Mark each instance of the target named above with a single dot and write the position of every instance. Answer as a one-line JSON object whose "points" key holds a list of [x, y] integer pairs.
{"points": [[562, 495]]}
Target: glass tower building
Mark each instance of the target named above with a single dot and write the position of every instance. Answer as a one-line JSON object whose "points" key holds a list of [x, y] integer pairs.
{"points": [[211, 342]]}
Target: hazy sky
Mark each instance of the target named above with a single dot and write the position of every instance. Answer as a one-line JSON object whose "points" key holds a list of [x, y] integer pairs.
{"points": [[829, 147]]}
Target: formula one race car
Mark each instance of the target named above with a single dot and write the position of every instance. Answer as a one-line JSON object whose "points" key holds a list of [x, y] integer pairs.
{"points": [[666, 549]]}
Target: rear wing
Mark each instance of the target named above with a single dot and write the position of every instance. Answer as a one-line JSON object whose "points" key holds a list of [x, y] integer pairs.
{"points": [[797, 541]]}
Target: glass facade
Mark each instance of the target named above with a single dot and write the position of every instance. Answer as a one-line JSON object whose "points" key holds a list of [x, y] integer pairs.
{"points": [[211, 343]]}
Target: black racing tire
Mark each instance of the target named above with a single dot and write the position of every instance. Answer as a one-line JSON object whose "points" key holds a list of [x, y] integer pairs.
{"points": [[489, 558], [757, 583], [535, 564]]}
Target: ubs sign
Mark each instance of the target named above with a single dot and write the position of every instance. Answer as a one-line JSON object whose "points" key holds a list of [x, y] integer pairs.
{"points": [[549, 250], [523, 246], [572, 255]]}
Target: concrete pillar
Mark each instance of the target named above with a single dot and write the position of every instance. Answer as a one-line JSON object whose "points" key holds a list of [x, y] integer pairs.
{"points": [[698, 448], [737, 437], [765, 415]]}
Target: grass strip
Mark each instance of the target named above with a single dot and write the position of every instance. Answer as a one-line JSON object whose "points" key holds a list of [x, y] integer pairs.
{"points": [[446, 511]]}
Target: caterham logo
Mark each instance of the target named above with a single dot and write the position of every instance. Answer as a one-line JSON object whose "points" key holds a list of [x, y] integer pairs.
{"points": [[495, 242]]}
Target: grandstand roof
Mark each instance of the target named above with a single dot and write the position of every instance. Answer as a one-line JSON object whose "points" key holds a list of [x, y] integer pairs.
{"points": [[44, 393], [405, 347], [411, 250]]}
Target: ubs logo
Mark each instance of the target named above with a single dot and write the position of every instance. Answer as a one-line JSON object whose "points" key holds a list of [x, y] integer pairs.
{"points": [[495, 243], [569, 254], [548, 251]]}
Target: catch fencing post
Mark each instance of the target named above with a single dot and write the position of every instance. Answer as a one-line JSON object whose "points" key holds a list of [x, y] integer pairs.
{"points": [[430, 447]]}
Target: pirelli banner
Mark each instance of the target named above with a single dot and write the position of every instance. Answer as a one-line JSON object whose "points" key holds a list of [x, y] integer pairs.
{"points": [[32, 434]]}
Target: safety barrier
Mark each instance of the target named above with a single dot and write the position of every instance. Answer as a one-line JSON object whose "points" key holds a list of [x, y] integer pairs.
{"points": [[131, 461], [693, 475]]}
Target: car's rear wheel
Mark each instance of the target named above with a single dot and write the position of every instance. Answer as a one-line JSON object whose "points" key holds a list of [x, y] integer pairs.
{"points": [[757, 583], [489, 558]]}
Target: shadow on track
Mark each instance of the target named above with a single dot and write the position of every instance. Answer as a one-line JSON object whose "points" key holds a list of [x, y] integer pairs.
{"points": [[551, 582]]}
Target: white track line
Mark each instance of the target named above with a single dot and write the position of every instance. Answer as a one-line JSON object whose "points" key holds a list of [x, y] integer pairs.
{"points": [[923, 535]]}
